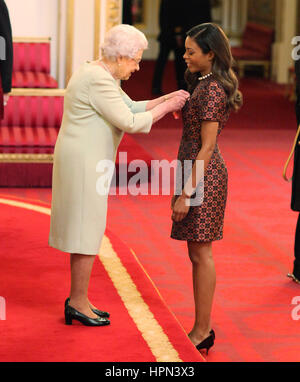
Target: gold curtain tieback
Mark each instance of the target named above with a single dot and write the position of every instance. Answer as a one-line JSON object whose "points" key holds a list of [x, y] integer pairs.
{"points": [[290, 157]]}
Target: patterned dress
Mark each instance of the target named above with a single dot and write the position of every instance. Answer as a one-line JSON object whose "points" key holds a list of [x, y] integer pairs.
{"points": [[204, 223]]}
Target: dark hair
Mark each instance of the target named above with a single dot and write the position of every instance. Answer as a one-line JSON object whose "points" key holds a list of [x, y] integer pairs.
{"points": [[211, 38]]}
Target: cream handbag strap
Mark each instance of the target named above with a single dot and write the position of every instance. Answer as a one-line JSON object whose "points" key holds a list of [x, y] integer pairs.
{"points": [[290, 157]]}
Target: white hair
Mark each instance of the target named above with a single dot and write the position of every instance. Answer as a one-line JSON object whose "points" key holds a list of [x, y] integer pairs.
{"points": [[123, 40]]}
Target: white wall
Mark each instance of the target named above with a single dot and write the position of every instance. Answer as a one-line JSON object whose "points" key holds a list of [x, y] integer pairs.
{"points": [[286, 25], [83, 32], [35, 18], [39, 18], [44, 18]]}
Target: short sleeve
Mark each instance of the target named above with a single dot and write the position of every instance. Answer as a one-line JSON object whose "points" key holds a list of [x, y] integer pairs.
{"points": [[212, 103]]}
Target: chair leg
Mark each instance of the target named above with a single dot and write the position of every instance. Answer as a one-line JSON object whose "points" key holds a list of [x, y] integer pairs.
{"points": [[267, 71]]}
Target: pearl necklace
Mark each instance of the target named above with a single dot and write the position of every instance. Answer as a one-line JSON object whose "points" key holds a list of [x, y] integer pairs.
{"points": [[206, 76]]}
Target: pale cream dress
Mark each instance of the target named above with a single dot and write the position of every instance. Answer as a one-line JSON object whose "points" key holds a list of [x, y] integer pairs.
{"points": [[96, 114]]}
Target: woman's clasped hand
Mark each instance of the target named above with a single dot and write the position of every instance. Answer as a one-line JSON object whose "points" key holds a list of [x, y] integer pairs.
{"points": [[176, 100]]}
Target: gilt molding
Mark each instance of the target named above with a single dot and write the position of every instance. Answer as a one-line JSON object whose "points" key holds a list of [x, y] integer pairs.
{"points": [[26, 158], [113, 13]]}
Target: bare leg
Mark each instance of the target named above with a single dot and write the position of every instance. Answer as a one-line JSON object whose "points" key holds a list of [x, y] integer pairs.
{"points": [[81, 268], [204, 283]]}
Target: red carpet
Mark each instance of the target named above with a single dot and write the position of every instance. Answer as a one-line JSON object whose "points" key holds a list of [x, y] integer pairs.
{"points": [[251, 261], [253, 311], [35, 282]]}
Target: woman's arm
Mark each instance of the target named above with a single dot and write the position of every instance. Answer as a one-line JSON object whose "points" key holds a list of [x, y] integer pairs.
{"points": [[142, 106], [209, 131], [157, 101], [158, 107], [171, 105], [105, 97], [107, 100]]}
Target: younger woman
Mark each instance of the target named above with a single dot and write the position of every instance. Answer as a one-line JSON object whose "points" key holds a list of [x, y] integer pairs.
{"points": [[214, 93]]}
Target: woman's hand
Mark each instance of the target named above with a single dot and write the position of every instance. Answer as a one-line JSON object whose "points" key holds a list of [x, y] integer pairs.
{"points": [[173, 201], [176, 103], [181, 208], [170, 103], [178, 93]]}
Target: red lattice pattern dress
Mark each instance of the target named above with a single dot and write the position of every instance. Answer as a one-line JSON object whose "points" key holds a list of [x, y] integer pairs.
{"points": [[204, 223]]}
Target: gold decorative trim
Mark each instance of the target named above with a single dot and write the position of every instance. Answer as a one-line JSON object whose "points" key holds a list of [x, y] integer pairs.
{"points": [[26, 158], [32, 39], [113, 13], [27, 206], [152, 332], [144, 23], [160, 296], [291, 276], [290, 156], [35, 92], [70, 39], [58, 31], [243, 63], [97, 10]]}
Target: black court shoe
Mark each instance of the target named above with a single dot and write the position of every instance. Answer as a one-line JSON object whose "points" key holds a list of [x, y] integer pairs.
{"points": [[99, 313], [73, 314], [207, 343]]}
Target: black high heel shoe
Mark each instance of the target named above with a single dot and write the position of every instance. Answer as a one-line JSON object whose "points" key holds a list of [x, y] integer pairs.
{"points": [[207, 343], [99, 313], [73, 314]]}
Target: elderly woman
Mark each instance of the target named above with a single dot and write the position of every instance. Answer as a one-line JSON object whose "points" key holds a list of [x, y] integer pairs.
{"points": [[96, 115]]}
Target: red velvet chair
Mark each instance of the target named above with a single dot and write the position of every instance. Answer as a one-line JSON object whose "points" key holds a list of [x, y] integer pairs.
{"points": [[256, 48], [33, 117], [31, 68], [28, 135]]}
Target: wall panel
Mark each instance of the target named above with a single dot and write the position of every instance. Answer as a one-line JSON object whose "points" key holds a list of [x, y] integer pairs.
{"points": [[36, 18]]}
